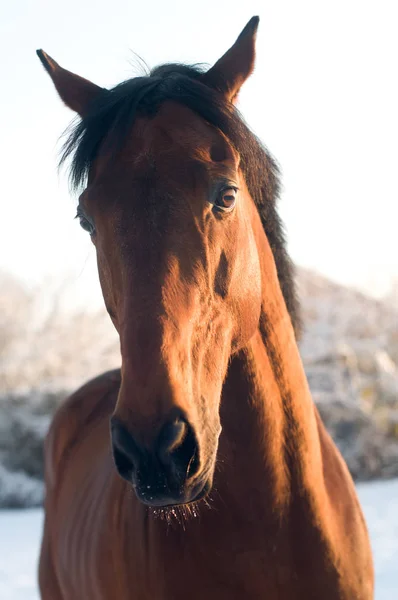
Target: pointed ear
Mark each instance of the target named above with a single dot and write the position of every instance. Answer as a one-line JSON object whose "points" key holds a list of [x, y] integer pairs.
{"points": [[237, 64], [77, 92]]}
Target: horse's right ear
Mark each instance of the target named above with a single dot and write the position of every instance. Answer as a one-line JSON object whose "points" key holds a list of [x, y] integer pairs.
{"points": [[77, 92]]}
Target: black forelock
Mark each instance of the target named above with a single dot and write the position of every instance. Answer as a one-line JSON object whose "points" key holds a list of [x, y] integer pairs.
{"points": [[112, 115]]}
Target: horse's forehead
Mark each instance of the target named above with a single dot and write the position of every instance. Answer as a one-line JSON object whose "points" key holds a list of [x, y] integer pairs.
{"points": [[175, 128]]}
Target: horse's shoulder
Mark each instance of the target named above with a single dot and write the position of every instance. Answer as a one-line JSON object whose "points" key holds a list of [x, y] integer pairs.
{"points": [[94, 399]]}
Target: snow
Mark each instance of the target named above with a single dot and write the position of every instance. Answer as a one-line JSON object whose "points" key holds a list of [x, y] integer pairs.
{"points": [[20, 534], [380, 503]]}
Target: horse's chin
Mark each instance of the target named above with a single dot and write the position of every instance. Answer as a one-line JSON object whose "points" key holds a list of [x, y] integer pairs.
{"points": [[185, 498]]}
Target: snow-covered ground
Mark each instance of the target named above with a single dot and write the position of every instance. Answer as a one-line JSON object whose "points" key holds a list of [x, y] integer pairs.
{"points": [[20, 533], [380, 503]]}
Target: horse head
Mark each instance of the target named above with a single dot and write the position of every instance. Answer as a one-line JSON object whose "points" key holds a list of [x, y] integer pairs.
{"points": [[180, 250]]}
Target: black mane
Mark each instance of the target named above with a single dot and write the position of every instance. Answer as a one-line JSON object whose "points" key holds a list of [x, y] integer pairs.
{"points": [[112, 115]]}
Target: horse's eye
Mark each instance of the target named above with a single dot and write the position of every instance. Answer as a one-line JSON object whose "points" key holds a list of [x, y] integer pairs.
{"points": [[226, 199], [85, 223]]}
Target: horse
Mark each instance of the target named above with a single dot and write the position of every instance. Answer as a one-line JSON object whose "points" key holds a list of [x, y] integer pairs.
{"points": [[201, 468]]}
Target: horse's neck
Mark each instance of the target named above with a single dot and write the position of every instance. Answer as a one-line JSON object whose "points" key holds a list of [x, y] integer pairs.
{"points": [[281, 487]]}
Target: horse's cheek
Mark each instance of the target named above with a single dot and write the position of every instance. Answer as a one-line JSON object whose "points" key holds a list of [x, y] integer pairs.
{"points": [[246, 303]]}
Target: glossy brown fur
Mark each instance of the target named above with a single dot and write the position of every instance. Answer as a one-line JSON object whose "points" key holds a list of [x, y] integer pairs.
{"points": [[204, 328]]}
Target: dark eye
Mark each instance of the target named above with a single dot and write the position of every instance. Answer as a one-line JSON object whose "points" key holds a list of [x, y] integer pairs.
{"points": [[85, 222], [226, 199]]}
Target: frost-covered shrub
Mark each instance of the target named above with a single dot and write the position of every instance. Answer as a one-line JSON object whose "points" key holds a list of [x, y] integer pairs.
{"points": [[18, 490], [349, 350]]}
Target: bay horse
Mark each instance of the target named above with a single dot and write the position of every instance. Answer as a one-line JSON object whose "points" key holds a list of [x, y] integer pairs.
{"points": [[201, 469]]}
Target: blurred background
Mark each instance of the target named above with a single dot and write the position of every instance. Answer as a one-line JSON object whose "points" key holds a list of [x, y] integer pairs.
{"points": [[324, 100]]}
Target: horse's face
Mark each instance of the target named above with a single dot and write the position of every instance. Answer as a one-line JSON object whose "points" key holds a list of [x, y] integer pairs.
{"points": [[172, 222], [179, 271]]}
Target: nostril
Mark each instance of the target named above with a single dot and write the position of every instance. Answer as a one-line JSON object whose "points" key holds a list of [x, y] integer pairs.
{"points": [[125, 451], [178, 447], [172, 436]]}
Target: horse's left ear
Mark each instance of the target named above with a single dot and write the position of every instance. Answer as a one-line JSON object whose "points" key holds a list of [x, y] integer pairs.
{"points": [[231, 70], [75, 91]]}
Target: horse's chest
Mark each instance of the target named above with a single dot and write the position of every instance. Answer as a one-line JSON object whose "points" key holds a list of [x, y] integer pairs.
{"points": [[225, 577], [223, 567]]}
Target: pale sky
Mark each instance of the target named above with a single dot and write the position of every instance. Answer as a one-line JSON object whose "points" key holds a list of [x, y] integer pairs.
{"points": [[323, 98]]}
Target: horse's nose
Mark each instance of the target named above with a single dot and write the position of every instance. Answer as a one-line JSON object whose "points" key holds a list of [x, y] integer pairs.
{"points": [[126, 453], [161, 471]]}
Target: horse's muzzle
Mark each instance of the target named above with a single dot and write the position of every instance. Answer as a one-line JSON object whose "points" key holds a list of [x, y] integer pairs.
{"points": [[163, 474]]}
